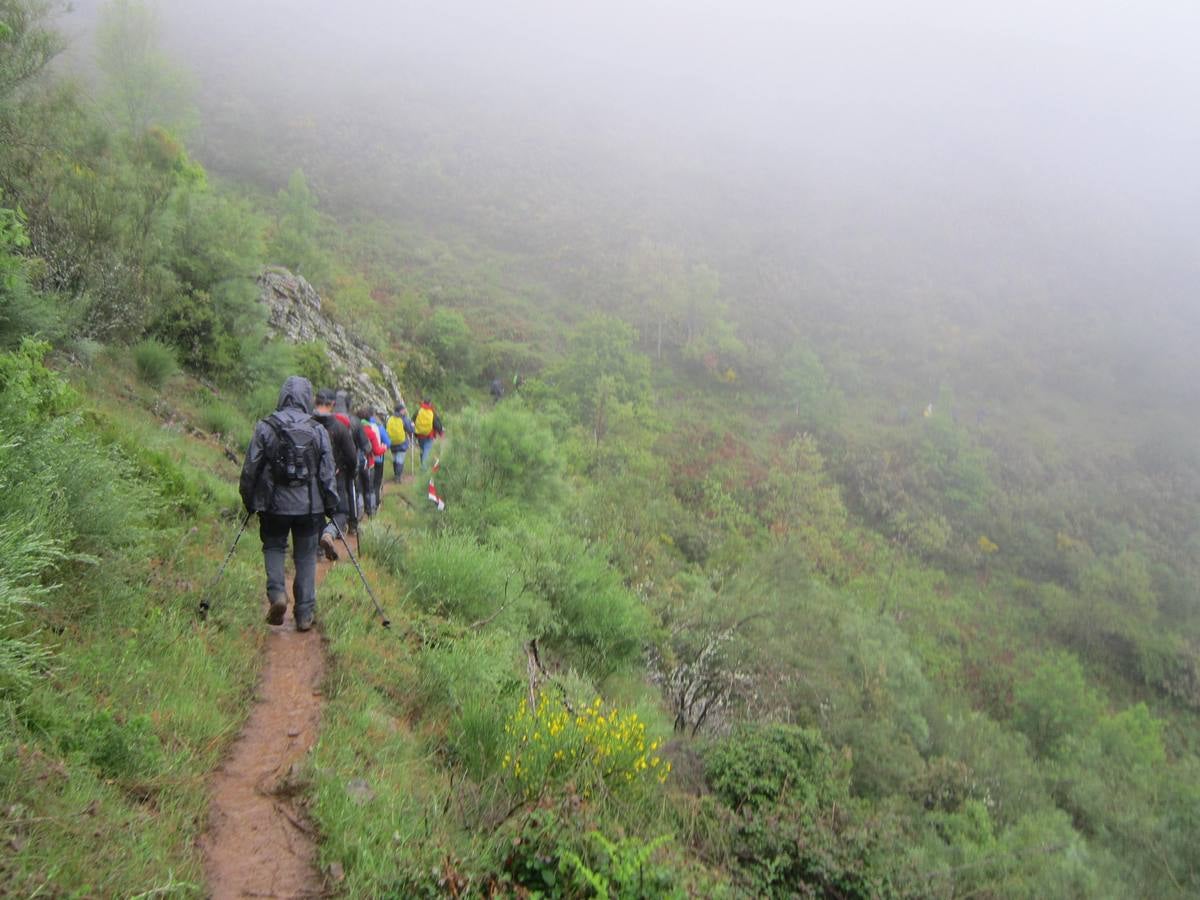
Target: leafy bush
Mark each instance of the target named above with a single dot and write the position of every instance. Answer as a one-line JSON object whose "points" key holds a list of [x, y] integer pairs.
{"points": [[500, 466], [598, 624], [757, 768], [451, 574], [118, 749], [23, 311], [222, 419], [446, 334], [563, 851], [312, 361], [471, 678], [1055, 705], [621, 868], [795, 829], [155, 362]]}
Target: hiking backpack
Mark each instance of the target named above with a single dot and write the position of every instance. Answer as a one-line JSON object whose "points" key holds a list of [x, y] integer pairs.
{"points": [[293, 456], [423, 424]]}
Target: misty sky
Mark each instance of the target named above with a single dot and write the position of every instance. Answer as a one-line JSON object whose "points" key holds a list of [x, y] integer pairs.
{"points": [[1084, 112]]}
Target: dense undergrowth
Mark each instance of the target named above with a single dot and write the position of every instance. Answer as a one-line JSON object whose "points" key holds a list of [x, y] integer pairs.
{"points": [[707, 614], [116, 705]]}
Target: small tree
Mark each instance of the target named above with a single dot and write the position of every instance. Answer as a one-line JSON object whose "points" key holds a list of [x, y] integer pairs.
{"points": [[142, 87]]}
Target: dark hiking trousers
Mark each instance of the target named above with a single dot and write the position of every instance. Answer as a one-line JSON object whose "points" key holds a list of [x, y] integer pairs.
{"points": [[345, 505], [377, 486], [305, 532], [366, 484]]}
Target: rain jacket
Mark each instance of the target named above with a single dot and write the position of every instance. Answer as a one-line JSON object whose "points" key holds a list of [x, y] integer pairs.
{"points": [[341, 409], [381, 430], [259, 492], [372, 432], [345, 453]]}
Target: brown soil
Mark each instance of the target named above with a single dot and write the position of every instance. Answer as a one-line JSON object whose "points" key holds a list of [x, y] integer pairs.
{"points": [[259, 841]]}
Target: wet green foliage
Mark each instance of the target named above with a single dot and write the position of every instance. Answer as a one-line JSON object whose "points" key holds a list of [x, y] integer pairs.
{"points": [[910, 641]]}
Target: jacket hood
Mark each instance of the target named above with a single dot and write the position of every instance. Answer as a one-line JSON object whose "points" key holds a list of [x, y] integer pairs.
{"points": [[296, 393], [341, 402]]}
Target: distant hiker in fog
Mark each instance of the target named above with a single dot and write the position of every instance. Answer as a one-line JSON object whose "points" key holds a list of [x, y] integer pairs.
{"points": [[378, 419], [427, 427], [374, 459], [341, 409], [345, 460], [497, 390], [400, 430], [288, 479]]}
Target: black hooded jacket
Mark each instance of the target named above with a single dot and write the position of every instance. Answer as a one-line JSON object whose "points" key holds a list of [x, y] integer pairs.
{"points": [[345, 452], [259, 492], [342, 405]]}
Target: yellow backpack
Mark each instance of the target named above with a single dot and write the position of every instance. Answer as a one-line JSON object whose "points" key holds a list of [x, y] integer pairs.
{"points": [[423, 423], [395, 430]]}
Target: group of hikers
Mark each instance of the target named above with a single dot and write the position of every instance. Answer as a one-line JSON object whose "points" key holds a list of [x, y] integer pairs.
{"points": [[313, 469]]}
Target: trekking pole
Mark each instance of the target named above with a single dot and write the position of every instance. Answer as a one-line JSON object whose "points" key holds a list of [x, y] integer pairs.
{"points": [[387, 623], [205, 604]]}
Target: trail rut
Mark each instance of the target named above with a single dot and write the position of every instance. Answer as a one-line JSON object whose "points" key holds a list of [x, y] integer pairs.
{"points": [[259, 841]]}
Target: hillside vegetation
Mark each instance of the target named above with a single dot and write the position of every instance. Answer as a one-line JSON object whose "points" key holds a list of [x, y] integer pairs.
{"points": [[755, 587]]}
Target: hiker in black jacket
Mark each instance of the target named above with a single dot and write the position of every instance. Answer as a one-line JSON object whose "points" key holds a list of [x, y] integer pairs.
{"points": [[288, 479], [345, 460], [341, 409]]}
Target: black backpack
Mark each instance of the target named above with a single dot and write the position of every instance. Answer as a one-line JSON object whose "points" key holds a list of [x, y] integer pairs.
{"points": [[293, 456]]}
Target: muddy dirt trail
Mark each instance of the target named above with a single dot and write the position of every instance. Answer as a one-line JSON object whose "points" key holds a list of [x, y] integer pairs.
{"points": [[259, 842]]}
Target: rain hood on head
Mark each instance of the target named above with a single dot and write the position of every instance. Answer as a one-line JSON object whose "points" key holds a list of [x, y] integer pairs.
{"points": [[296, 393]]}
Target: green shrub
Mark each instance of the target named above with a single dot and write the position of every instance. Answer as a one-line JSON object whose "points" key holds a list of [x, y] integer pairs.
{"points": [[564, 854], [222, 419], [621, 868], [757, 768], [384, 547], [785, 802], [474, 679], [598, 624], [452, 575], [155, 362], [118, 749], [500, 466]]}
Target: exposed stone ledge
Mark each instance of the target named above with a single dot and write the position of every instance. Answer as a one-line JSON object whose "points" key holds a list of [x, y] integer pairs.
{"points": [[296, 315]]}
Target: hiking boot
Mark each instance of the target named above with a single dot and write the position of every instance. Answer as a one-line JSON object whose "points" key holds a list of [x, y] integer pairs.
{"points": [[304, 619], [329, 547], [277, 610]]}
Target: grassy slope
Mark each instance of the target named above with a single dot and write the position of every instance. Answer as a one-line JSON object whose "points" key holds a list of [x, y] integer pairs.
{"points": [[103, 773]]}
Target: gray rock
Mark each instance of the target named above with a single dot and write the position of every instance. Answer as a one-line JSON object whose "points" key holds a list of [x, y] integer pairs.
{"points": [[360, 791], [296, 315]]}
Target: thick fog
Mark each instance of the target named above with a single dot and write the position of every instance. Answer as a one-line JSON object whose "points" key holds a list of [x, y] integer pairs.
{"points": [[1067, 127]]}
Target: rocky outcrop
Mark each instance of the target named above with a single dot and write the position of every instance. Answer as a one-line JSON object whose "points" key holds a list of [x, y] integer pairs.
{"points": [[296, 315]]}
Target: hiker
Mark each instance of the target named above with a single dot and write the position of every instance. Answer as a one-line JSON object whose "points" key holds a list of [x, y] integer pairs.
{"points": [[399, 429], [374, 459], [288, 479], [427, 427], [341, 409], [377, 419], [497, 390], [345, 461]]}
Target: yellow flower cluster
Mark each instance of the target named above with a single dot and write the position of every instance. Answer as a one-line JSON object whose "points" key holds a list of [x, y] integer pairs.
{"points": [[551, 745]]}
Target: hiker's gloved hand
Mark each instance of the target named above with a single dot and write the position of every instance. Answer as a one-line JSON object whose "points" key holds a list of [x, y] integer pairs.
{"points": [[330, 512]]}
